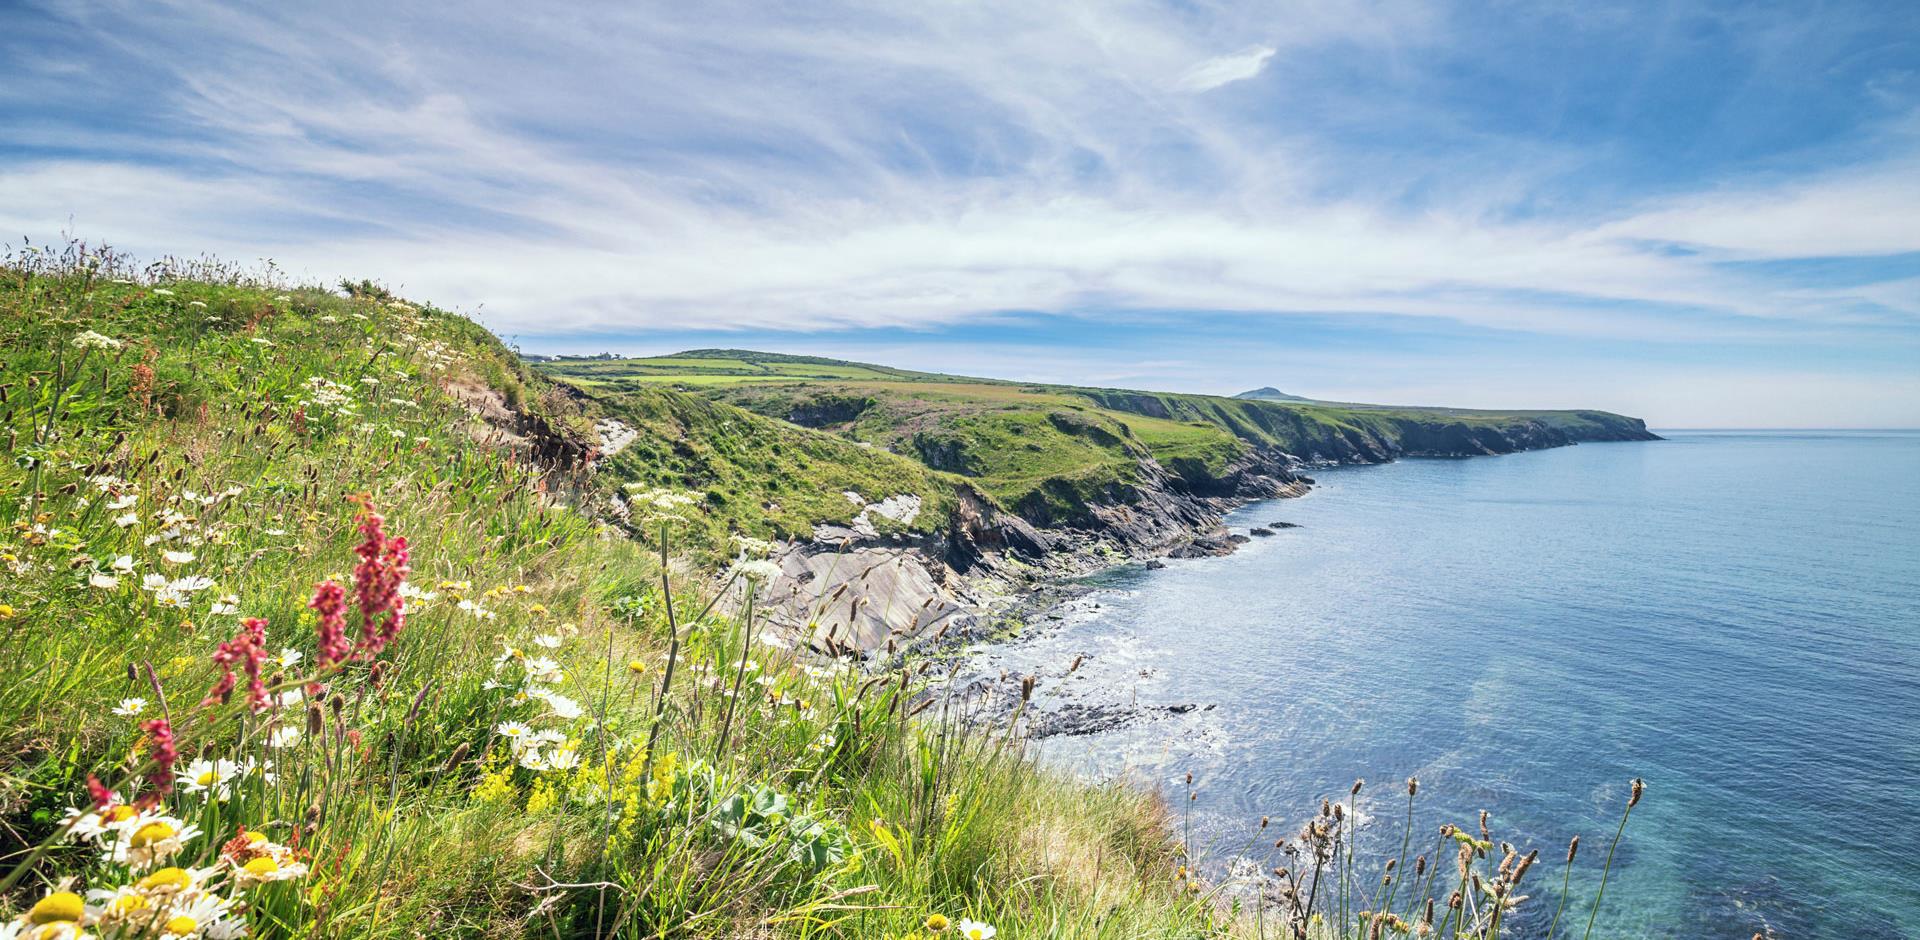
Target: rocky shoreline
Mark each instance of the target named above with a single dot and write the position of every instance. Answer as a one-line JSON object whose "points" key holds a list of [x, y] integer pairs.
{"points": [[861, 594]]}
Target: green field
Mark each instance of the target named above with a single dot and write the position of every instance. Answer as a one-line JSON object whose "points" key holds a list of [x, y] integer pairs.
{"points": [[1049, 450]]}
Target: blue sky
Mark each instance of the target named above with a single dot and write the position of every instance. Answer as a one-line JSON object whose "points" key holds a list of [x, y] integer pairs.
{"points": [[1706, 214]]}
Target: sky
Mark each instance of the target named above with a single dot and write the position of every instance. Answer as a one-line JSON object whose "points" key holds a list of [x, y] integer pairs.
{"points": [[1703, 214]]}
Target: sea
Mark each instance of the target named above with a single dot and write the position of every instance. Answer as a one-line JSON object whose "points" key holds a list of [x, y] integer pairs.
{"points": [[1731, 616]]}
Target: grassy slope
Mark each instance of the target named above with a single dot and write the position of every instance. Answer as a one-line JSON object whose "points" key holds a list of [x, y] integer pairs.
{"points": [[1047, 449], [407, 806], [755, 476]]}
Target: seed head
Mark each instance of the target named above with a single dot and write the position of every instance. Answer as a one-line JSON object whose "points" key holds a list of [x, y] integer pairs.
{"points": [[1639, 787], [1520, 871], [1573, 848], [1413, 786]]}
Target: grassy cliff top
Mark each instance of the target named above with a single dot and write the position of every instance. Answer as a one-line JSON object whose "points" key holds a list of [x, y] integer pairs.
{"points": [[1042, 448], [190, 453]]}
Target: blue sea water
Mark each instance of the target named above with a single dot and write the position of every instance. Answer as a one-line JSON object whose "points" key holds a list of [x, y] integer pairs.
{"points": [[1733, 616]]}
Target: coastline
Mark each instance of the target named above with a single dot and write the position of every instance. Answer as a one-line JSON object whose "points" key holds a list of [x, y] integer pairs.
{"points": [[868, 595]]}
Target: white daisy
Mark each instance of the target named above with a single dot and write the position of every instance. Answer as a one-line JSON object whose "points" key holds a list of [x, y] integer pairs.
{"points": [[209, 776]]}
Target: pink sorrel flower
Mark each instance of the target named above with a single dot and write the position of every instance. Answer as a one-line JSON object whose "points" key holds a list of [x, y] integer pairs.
{"points": [[330, 602], [248, 649], [163, 752], [377, 580]]}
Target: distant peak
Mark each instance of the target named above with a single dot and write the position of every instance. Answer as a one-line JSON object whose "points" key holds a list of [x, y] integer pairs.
{"points": [[1270, 394]]}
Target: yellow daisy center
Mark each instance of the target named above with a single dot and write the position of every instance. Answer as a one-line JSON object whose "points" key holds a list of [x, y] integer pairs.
{"points": [[58, 906], [264, 865], [937, 922], [120, 813], [152, 832], [166, 878], [130, 904], [182, 924], [206, 778]]}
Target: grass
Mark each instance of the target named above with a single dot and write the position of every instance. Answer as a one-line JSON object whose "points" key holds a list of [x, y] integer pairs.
{"points": [[1052, 452], [566, 739]]}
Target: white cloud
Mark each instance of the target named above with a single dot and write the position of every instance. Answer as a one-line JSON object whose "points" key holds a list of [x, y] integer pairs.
{"points": [[1226, 69], [820, 166], [1867, 210]]}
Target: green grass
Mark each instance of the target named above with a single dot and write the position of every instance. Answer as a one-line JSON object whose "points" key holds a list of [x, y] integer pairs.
{"points": [[809, 805], [754, 476], [1052, 451], [222, 435]]}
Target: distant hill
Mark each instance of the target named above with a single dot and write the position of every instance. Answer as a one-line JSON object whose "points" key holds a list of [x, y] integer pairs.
{"points": [[1270, 393]]}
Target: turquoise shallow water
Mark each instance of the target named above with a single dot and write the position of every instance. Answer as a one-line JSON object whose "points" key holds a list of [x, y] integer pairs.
{"points": [[1733, 616]]}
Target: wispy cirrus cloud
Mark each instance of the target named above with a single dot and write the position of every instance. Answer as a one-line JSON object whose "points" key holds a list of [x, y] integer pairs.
{"points": [[856, 166], [1226, 69]]}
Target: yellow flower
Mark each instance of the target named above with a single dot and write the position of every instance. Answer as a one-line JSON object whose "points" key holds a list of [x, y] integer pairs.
{"points": [[156, 831], [58, 906], [636, 666], [6, 611], [165, 877], [937, 923]]}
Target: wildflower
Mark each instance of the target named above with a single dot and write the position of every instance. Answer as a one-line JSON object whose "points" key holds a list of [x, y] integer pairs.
{"points": [[176, 558], [937, 923], [547, 641], [105, 818], [130, 519], [563, 758], [248, 649], [541, 669], [975, 930], [257, 859], [516, 733], [637, 666], [377, 579], [6, 611], [124, 502], [263, 869], [563, 708], [162, 292], [759, 571], [92, 340], [288, 658], [148, 840], [103, 581], [130, 707], [162, 752], [227, 605], [330, 602], [209, 776], [123, 564], [205, 915]]}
